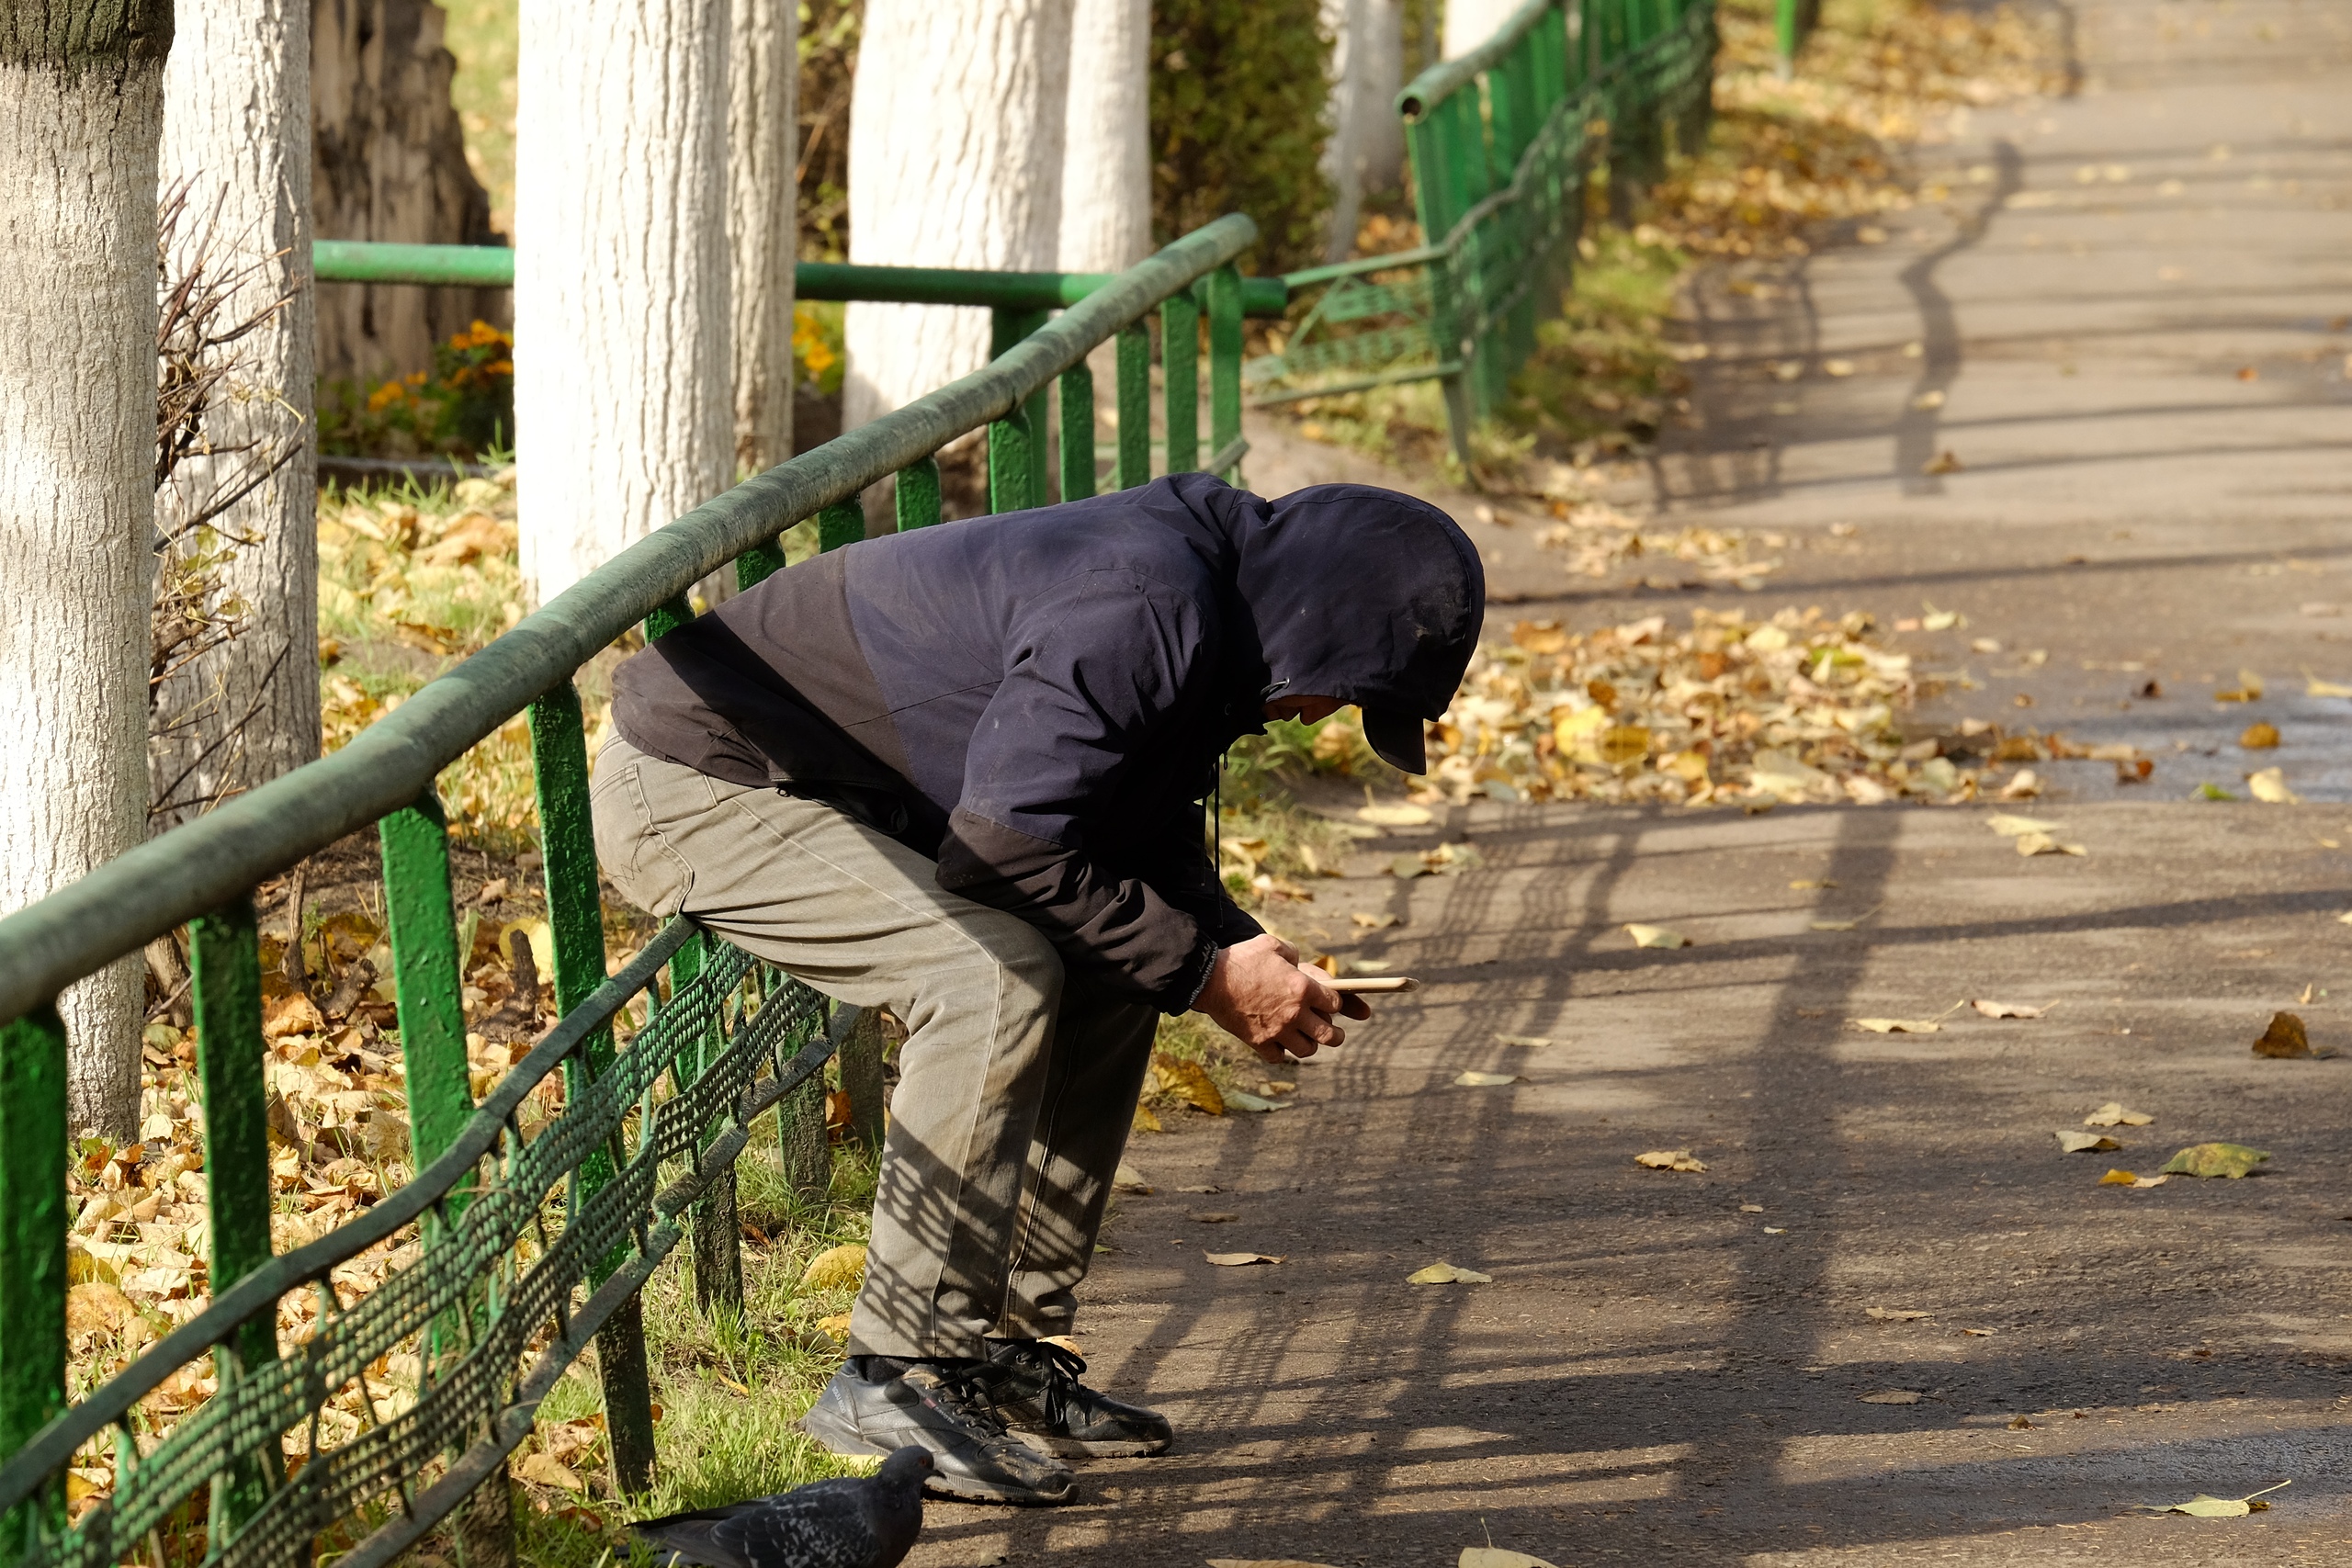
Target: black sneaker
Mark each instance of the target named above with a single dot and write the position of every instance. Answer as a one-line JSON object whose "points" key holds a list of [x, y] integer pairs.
{"points": [[1041, 1400], [944, 1406]]}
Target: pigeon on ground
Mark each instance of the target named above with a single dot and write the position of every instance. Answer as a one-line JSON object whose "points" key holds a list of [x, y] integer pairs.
{"points": [[863, 1523]]}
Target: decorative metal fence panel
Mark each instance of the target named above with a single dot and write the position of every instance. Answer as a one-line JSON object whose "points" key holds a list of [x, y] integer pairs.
{"points": [[515, 1251], [1503, 139]]}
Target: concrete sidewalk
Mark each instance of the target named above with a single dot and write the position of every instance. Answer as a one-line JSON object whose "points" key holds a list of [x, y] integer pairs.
{"points": [[1671, 1367]]}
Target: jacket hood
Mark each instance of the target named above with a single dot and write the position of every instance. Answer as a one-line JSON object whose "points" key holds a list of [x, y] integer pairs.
{"points": [[1340, 591]]}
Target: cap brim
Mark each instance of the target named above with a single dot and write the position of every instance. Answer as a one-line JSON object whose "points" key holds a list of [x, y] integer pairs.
{"points": [[1396, 738]]}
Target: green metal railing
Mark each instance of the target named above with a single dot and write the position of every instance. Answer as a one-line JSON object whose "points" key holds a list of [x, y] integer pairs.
{"points": [[1502, 140], [527, 1249], [1793, 23], [1019, 303]]}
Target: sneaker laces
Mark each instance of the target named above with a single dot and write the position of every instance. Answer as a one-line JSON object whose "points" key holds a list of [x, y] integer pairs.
{"points": [[1062, 1366], [967, 1393]]}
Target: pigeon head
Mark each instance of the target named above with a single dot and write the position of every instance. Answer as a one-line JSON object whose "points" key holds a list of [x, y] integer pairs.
{"points": [[905, 1469]]}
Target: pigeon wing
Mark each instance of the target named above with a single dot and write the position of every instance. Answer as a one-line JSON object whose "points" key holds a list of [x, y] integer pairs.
{"points": [[817, 1526]]}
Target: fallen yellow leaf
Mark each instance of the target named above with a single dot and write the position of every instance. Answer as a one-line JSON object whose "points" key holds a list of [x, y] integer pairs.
{"points": [[2010, 826], [2259, 736], [1533, 1041], [1395, 815], [2270, 785], [2043, 844], [835, 1266], [1897, 1315], [1240, 1259], [1498, 1557], [1487, 1081], [1898, 1025], [1188, 1081], [2007, 1009], [1670, 1160], [547, 1470], [1447, 1274], [2204, 1507], [2112, 1114], [2074, 1143], [1655, 936], [1893, 1396], [835, 1326]]}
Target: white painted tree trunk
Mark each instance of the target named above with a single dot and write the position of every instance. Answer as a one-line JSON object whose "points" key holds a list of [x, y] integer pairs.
{"points": [[955, 160], [237, 132], [1365, 153], [1106, 158], [77, 405], [762, 222], [623, 376], [1469, 23]]}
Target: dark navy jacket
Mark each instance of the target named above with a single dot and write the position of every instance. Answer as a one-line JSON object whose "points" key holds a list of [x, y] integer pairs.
{"points": [[1039, 701]]}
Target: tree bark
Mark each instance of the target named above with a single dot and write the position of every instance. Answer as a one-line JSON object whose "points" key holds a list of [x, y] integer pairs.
{"points": [[1366, 151], [623, 377], [237, 135], [1469, 23], [955, 160], [388, 163], [81, 111], [762, 222], [1107, 162]]}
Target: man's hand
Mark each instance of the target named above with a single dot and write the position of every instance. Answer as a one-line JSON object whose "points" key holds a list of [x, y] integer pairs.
{"points": [[1263, 996]]}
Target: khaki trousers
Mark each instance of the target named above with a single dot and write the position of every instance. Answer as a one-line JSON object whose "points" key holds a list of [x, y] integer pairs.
{"points": [[1017, 1083]]}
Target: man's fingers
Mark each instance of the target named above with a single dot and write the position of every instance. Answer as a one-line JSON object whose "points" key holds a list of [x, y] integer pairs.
{"points": [[1296, 1044], [1270, 1052], [1354, 1005]]}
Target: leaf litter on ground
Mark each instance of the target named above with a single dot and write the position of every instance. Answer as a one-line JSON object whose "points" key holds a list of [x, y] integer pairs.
{"points": [[2287, 1039], [2075, 1142], [1487, 1081], [1670, 1160], [2010, 1010], [1655, 936], [1242, 1259], [2113, 1114], [2131, 1179], [1897, 1315], [1498, 1557]]}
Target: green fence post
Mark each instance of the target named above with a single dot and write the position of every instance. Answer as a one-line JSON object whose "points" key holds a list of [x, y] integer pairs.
{"points": [[428, 977], [1135, 408], [916, 503], [1787, 30], [1225, 369], [576, 922], [843, 522], [32, 1257], [1179, 369], [860, 1055], [224, 963], [1016, 443], [1425, 143], [758, 564], [1076, 393], [668, 617]]}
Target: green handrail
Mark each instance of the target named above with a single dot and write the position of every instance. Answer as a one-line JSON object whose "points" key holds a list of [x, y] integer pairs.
{"points": [[493, 266], [733, 1040], [1501, 155]]}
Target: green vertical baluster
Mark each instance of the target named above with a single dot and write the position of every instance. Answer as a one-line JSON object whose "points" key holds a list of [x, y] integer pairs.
{"points": [[427, 978], [668, 617], [1135, 408], [1011, 441], [1225, 365], [576, 920], [917, 503], [718, 1256], [758, 564], [843, 522], [224, 959], [1425, 143], [1078, 432], [1017, 441], [1180, 352], [32, 1256]]}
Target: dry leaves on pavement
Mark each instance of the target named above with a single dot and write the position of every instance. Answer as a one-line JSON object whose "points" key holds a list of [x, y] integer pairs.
{"points": [[2113, 1114], [1487, 1081], [2286, 1039], [1497, 1557], [2083, 1143], [2203, 1506], [1799, 708], [1185, 1080], [2131, 1179], [1241, 1260], [1533, 1042], [2269, 786], [2230, 1160], [1447, 1274], [1670, 1160], [2010, 1010], [1893, 1396], [1898, 1025], [1897, 1315], [1656, 936]]}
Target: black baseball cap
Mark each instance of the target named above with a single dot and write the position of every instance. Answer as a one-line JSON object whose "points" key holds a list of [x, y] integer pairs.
{"points": [[1395, 736]]}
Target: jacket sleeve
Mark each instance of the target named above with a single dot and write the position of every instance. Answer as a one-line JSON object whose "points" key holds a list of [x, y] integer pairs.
{"points": [[1095, 669]]}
